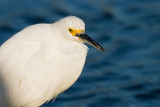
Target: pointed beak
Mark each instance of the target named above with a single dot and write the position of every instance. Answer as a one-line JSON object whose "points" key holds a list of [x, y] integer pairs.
{"points": [[86, 39]]}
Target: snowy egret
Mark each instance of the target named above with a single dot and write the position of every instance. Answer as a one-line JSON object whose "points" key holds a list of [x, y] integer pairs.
{"points": [[42, 61]]}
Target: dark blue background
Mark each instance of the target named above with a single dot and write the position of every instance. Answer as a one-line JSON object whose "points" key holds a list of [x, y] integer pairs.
{"points": [[127, 74]]}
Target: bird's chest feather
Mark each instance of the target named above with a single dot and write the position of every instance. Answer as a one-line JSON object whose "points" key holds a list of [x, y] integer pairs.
{"points": [[69, 68]]}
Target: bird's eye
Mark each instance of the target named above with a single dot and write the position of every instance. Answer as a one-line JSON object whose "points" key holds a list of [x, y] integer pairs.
{"points": [[71, 30]]}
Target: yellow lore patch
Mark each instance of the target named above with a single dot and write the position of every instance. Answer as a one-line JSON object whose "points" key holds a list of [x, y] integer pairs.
{"points": [[74, 31]]}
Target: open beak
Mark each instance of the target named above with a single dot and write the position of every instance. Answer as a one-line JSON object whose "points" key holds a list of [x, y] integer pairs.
{"points": [[86, 39]]}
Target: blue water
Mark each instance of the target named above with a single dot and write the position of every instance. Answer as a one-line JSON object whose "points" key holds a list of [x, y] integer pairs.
{"points": [[127, 74]]}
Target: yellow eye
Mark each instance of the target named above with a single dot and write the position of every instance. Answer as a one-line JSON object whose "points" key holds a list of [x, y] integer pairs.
{"points": [[70, 30]]}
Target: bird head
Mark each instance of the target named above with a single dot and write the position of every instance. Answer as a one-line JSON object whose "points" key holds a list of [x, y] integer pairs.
{"points": [[75, 28]]}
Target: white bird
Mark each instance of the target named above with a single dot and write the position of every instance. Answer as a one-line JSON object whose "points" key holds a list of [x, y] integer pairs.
{"points": [[42, 61]]}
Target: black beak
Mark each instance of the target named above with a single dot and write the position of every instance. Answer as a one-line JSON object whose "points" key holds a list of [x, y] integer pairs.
{"points": [[85, 38]]}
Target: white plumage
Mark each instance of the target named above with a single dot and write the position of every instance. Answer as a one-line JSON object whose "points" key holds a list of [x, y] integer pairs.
{"points": [[42, 61]]}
